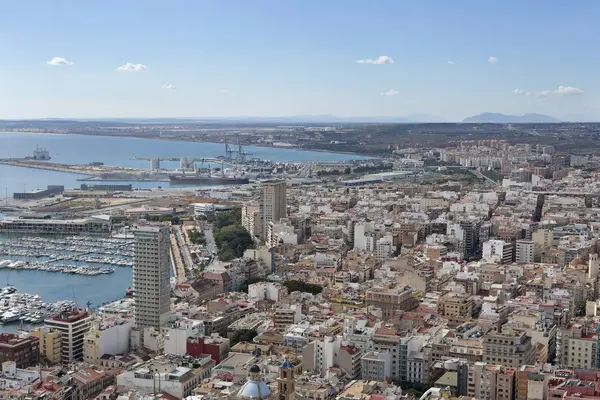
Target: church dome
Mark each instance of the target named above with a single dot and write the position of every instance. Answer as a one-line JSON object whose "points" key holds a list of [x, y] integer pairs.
{"points": [[254, 390]]}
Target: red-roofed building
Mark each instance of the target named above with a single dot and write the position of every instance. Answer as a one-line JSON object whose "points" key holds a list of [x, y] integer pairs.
{"points": [[24, 352], [216, 346]]}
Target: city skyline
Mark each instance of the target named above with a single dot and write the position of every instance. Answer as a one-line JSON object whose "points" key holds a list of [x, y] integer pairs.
{"points": [[265, 59]]}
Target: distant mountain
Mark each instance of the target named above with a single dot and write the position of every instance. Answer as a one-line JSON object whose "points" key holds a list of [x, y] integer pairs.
{"points": [[294, 119], [497, 118]]}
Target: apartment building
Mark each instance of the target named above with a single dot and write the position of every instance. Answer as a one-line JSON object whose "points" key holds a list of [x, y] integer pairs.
{"points": [[391, 300], [151, 276], [577, 346], [457, 308], [24, 351], [498, 251], [273, 204], [73, 326], [510, 348], [285, 316], [251, 218], [493, 382], [525, 251], [376, 366], [50, 343]]}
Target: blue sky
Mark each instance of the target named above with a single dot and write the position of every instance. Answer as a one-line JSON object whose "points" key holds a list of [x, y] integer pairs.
{"points": [[294, 57]]}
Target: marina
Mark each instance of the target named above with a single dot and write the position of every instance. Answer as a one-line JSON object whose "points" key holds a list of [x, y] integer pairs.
{"points": [[28, 308], [71, 255]]}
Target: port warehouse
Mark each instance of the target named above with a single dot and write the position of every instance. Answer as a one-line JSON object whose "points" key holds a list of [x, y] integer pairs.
{"points": [[85, 191], [38, 194], [94, 225]]}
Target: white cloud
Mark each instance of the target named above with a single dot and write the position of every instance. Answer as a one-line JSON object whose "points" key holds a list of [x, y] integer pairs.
{"points": [[567, 90], [390, 92], [521, 92], [379, 60], [59, 61], [451, 62], [543, 93], [492, 60], [560, 91], [168, 87], [129, 67]]}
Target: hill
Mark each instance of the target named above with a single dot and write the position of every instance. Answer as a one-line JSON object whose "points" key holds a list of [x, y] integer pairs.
{"points": [[498, 118]]}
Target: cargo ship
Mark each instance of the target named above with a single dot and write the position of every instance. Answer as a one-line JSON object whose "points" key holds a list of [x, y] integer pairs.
{"points": [[207, 180]]}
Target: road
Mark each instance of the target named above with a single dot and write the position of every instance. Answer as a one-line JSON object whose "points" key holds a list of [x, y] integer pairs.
{"points": [[178, 264], [211, 246]]}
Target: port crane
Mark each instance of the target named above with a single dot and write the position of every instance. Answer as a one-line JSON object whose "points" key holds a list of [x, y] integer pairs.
{"points": [[240, 155]]}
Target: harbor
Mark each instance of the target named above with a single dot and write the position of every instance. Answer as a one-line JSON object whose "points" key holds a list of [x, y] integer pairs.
{"points": [[28, 308], [81, 255], [132, 160]]}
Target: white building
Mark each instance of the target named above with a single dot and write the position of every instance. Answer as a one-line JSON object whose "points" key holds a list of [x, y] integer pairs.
{"points": [[109, 335], [273, 204], [203, 209], [14, 378], [161, 375], [321, 354], [376, 366], [498, 250], [251, 218], [266, 291], [384, 248], [151, 276], [177, 336], [281, 233], [363, 240], [73, 325], [525, 251]]}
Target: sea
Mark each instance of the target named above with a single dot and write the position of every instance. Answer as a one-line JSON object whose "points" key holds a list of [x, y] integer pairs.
{"points": [[117, 151]]}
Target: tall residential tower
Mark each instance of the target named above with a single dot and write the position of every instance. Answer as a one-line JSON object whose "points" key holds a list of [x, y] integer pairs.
{"points": [[151, 276], [273, 204]]}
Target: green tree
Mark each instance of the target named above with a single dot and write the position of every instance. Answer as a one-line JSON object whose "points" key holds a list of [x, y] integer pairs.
{"points": [[302, 286], [227, 218], [197, 237], [234, 238]]}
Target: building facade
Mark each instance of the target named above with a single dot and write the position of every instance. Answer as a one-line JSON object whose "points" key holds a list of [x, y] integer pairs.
{"points": [[273, 204], [151, 276]]}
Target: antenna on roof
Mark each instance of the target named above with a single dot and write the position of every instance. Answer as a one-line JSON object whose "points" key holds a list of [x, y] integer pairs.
{"points": [[74, 298]]}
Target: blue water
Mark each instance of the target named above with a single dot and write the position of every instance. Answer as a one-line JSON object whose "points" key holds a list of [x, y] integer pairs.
{"points": [[117, 151]]}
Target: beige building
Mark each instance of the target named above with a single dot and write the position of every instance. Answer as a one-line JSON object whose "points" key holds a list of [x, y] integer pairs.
{"points": [[492, 382], [510, 348], [457, 308], [273, 204], [285, 316], [576, 347], [73, 326], [542, 238], [251, 218], [391, 300], [50, 343]]}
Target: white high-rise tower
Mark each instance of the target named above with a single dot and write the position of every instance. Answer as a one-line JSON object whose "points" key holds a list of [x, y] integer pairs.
{"points": [[151, 276]]}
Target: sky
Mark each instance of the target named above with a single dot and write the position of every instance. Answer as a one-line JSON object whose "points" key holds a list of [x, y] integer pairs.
{"points": [[222, 58]]}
